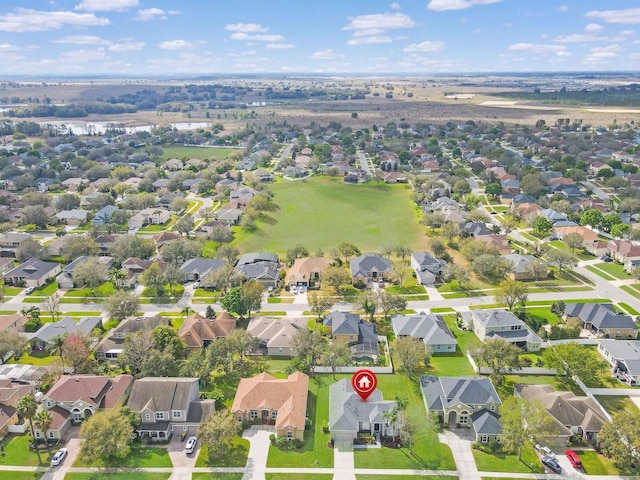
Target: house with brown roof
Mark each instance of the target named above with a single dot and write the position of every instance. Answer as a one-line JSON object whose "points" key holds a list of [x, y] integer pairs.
{"points": [[73, 399], [198, 331], [499, 242], [306, 271], [137, 266], [276, 334], [165, 238], [273, 401], [111, 346], [527, 211], [623, 250], [589, 236], [11, 391], [13, 323]]}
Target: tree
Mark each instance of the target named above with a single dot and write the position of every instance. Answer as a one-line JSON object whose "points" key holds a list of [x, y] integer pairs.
{"points": [[29, 248], [223, 278], [307, 346], [574, 359], [523, 421], [319, 302], [228, 253], [42, 420], [334, 277], [560, 259], [400, 271], [450, 231], [79, 245], [500, 356], [252, 291], [107, 434], [52, 306], [218, 433], [90, 273], [461, 187], [457, 272], [573, 240], [75, 352], [388, 302], [410, 352], [620, 230], [511, 292], [298, 251], [173, 275], [336, 354], [136, 353], [537, 268], [493, 189], [232, 302], [369, 305], [620, 440], [66, 201], [35, 215], [592, 218], [433, 220], [121, 304], [127, 246], [27, 408], [542, 226], [154, 280], [166, 338], [11, 343], [184, 224], [610, 220], [116, 275], [437, 247], [347, 250]]}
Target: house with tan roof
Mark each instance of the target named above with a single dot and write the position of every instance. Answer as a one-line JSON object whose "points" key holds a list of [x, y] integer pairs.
{"points": [[306, 271], [273, 401], [198, 331], [73, 399], [275, 335], [589, 236], [12, 390], [13, 323]]}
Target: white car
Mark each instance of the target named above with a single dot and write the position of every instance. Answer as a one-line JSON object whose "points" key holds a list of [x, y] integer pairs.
{"points": [[29, 290], [196, 285], [294, 289], [58, 457], [545, 451], [301, 289], [191, 445]]}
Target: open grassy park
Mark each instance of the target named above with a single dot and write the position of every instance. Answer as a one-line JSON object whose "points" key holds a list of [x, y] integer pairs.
{"points": [[322, 212]]}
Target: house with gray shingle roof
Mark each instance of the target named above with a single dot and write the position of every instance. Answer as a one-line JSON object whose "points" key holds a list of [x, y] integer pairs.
{"points": [[464, 401], [103, 215], [196, 269], [428, 268], [369, 267], [601, 319], [355, 332], [521, 266], [349, 414], [624, 358], [495, 323], [43, 338], [32, 273], [431, 329]]}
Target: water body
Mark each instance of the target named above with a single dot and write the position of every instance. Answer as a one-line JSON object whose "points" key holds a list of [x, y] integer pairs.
{"points": [[87, 128]]}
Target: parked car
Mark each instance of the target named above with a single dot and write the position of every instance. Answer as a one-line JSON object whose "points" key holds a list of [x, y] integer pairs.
{"points": [[574, 459], [191, 445], [294, 289], [545, 451], [301, 289], [196, 285], [58, 457], [606, 258], [29, 290], [552, 464]]}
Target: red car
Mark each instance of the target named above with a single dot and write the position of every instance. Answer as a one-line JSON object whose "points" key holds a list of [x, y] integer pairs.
{"points": [[574, 459]]}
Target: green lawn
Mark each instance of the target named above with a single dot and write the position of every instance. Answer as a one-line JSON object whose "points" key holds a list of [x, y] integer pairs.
{"points": [[615, 270], [236, 457], [103, 290], [16, 449], [501, 462], [320, 213], [614, 404], [9, 475], [201, 153], [595, 464], [600, 273], [117, 476], [217, 476], [139, 457], [402, 477], [628, 308], [42, 359], [632, 290], [299, 476]]}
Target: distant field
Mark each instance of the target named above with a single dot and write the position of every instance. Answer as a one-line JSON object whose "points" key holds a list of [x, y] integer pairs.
{"points": [[202, 153], [323, 212]]}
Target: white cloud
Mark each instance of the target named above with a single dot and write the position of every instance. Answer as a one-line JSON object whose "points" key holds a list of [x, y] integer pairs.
{"points": [[246, 27], [369, 40], [559, 50], [150, 14], [563, 8], [106, 5], [395, 6], [593, 28], [78, 56], [629, 15], [127, 47], [426, 46], [587, 37], [442, 5], [28, 20], [368, 29], [82, 40], [257, 37], [601, 55], [177, 45], [325, 55], [279, 46]]}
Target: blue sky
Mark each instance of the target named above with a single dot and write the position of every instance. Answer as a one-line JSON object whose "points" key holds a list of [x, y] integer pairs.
{"points": [[153, 37]]}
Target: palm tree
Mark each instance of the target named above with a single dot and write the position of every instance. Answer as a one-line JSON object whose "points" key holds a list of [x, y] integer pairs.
{"points": [[27, 408], [58, 345], [115, 275], [42, 420], [185, 311]]}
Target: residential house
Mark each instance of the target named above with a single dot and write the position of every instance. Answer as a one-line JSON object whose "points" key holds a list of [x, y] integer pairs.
{"points": [[32, 273], [369, 267], [229, 216], [428, 268], [262, 267], [43, 339], [104, 242], [623, 251], [589, 236], [522, 198], [73, 184], [10, 241], [263, 176], [149, 216], [12, 390], [601, 320], [527, 211], [498, 242], [112, 344], [6, 264], [136, 267], [624, 358], [73, 399], [197, 269], [168, 405], [65, 279], [275, 334], [551, 215], [572, 415], [13, 323], [355, 332], [165, 200], [72, 217], [306, 271], [198, 331], [430, 328], [349, 415], [493, 323], [243, 193], [173, 164], [522, 267], [464, 401], [281, 402], [475, 229], [165, 238]]}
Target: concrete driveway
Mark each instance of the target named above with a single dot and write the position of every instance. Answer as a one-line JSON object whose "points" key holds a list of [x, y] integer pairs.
{"points": [[73, 444], [183, 463], [460, 440], [258, 453]]}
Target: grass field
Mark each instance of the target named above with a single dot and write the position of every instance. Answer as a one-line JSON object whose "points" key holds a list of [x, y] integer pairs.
{"points": [[217, 476], [117, 476], [322, 212], [201, 153], [139, 457], [501, 462], [235, 457], [9, 475], [595, 464]]}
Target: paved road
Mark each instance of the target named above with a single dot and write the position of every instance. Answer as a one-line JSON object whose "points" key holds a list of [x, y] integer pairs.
{"points": [[364, 164]]}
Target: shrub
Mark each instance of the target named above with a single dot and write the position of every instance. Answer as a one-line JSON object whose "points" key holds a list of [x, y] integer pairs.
{"points": [[272, 439]]}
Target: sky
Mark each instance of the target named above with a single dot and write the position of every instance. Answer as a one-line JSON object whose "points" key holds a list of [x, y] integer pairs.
{"points": [[371, 37]]}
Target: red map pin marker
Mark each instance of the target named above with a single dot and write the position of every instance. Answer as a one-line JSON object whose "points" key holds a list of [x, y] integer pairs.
{"points": [[364, 382]]}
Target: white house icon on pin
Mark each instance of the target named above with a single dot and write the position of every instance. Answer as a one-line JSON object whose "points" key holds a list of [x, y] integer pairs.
{"points": [[364, 382]]}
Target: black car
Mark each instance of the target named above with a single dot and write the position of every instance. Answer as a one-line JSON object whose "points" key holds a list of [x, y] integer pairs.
{"points": [[552, 464]]}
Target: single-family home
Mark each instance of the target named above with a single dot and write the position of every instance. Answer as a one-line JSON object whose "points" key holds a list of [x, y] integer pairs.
{"points": [[601, 320], [475, 229], [12, 390], [65, 279], [73, 217], [572, 415], [136, 267], [349, 414], [73, 399], [281, 402], [104, 242], [197, 269], [428, 268], [32, 273], [589, 236], [229, 216], [103, 216], [262, 267], [623, 251], [494, 323], [10, 241], [43, 339], [307, 271], [243, 193], [523, 267], [275, 334], [369, 267], [624, 358], [13, 322], [165, 238], [430, 328], [165, 200], [149, 216], [464, 401], [355, 332], [168, 405], [527, 211], [198, 331], [112, 344]]}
